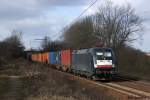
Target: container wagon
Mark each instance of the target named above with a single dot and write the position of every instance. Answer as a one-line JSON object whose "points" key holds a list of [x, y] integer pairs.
{"points": [[45, 57], [58, 60], [52, 58], [66, 58]]}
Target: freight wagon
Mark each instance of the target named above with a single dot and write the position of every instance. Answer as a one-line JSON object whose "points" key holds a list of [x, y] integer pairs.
{"points": [[52, 58], [66, 58], [93, 62]]}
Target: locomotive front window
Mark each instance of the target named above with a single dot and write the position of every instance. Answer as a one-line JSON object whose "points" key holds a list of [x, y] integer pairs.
{"points": [[104, 56]]}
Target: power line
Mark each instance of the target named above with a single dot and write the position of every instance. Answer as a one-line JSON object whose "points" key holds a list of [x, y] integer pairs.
{"points": [[82, 13], [39, 39], [90, 5]]}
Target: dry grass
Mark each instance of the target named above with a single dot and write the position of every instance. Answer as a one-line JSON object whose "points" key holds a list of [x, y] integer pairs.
{"points": [[44, 83], [47, 97]]}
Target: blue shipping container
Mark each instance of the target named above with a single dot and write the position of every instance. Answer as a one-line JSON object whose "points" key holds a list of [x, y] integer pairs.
{"points": [[52, 57]]}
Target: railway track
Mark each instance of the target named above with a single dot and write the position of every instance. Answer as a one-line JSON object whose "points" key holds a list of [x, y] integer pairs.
{"points": [[131, 93], [135, 84], [132, 80], [139, 94]]}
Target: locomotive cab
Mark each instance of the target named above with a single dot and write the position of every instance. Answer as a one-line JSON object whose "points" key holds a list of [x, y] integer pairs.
{"points": [[104, 62], [94, 62]]}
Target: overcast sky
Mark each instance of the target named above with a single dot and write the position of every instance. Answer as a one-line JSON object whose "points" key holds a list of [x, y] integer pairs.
{"points": [[38, 18]]}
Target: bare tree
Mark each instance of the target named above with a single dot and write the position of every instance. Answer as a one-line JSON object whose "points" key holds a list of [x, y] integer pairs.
{"points": [[11, 47], [79, 34], [112, 26], [45, 43], [116, 25], [49, 45]]}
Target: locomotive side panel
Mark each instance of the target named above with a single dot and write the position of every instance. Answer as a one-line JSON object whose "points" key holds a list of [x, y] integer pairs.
{"points": [[82, 64]]}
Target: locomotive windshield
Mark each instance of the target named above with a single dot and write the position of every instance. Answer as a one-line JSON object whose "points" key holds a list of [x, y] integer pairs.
{"points": [[104, 56]]}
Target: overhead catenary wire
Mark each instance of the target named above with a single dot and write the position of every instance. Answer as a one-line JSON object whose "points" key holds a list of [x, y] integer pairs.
{"points": [[92, 3]]}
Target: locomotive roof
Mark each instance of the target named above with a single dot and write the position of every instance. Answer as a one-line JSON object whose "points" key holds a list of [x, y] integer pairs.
{"points": [[91, 50]]}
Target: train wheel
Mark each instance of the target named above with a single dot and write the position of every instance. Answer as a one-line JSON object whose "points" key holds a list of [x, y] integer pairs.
{"points": [[69, 70], [65, 68], [57, 67], [88, 77], [93, 78]]}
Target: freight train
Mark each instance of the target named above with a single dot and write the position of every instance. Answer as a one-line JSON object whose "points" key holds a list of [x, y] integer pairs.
{"points": [[95, 63]]}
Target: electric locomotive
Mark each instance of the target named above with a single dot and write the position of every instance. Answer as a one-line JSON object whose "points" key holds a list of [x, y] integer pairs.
{"points": [[96, 63]]}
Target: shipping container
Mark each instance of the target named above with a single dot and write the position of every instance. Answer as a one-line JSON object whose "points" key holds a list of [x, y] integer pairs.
{"points": [[66, 56], [42, 57], [45, 57], [34, 57], [52, 57], [39, 57]]}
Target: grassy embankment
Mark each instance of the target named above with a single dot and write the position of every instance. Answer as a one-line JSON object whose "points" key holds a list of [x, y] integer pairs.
{"points": [[43, 83]]}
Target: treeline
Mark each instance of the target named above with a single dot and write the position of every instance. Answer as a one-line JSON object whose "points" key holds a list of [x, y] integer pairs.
{"points": [[133, 62], [11, 48], [111, 26]]}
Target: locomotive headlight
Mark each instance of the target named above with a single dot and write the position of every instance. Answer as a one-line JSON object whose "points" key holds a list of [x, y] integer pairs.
{"points": [[113, 65]]}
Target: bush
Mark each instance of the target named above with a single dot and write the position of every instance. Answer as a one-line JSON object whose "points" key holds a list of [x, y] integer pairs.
{"points": [[11, 48], [134, 62]]}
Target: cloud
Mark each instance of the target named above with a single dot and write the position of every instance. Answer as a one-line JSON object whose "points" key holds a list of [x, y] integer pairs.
{"points": [[142, 9], [36, 17], [20, 9], [48, 17]]}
